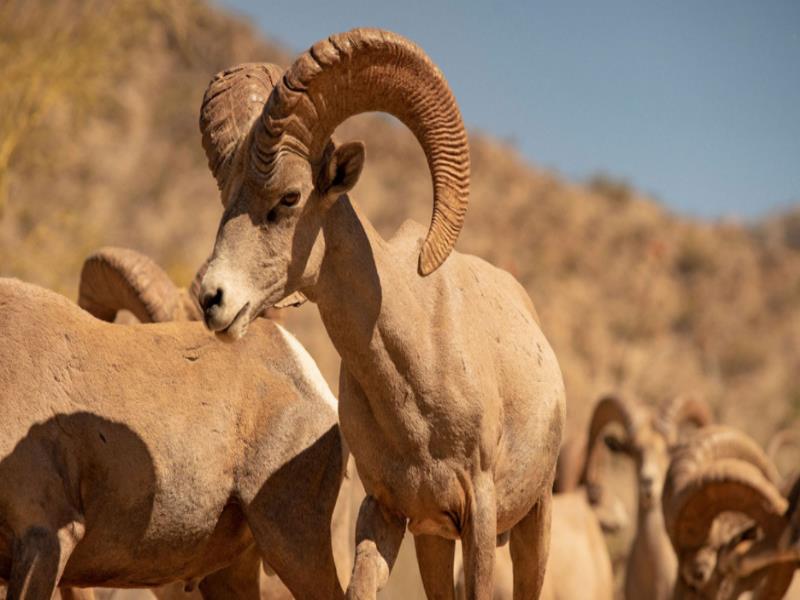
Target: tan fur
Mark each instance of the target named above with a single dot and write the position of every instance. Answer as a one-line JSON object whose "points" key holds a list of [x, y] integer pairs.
{"points": [[451, 399], [139, 455]]}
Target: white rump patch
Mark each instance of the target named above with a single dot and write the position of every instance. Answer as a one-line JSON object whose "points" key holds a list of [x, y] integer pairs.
{"points": [[309, 369]]}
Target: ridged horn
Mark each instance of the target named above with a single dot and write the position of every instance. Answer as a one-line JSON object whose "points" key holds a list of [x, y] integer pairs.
{"points": [[610, 409], [681, 410], [367, 70], [719, 469], [113, 279], [232, 102], [692, 503], [718, 442]]}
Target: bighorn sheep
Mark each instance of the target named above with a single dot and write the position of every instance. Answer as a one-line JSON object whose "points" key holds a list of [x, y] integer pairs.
{"points": [[731, 528], [120, 279], [648, 437], [139, 455], [451, 399]]}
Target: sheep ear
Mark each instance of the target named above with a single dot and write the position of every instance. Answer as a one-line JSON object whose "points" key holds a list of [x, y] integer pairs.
{"points": [[233, 101], [343, 168], [296, 299]]}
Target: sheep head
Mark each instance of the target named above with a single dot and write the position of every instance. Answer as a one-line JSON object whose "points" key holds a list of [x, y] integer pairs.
{"points": [[720, 505], [647, 438], [268, 140]]}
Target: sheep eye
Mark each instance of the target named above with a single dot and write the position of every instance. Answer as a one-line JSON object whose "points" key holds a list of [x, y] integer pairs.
{"points": [[290, 199]]}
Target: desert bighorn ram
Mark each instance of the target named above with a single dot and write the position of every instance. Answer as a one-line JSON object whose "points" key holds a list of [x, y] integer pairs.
{"points": [[451, 399], [732, 529], [648, 437], [138, 455]]}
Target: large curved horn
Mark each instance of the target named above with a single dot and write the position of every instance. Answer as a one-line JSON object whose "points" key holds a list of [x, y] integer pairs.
{"points": [[233, 101], [113, 279], [718, 469], [610, 409], [367, 70], [691, 503], [718, 442], [681, 410]]}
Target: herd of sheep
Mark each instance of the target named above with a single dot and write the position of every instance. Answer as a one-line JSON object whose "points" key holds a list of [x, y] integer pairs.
{"points": [[148, 452]]}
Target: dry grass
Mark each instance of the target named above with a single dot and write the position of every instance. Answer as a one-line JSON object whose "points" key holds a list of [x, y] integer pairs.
{"points": [[99, 145]]}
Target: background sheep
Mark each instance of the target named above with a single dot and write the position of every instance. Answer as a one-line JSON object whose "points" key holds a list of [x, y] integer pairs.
{"points": [[647, 437], [104, 478], [732, 529]]}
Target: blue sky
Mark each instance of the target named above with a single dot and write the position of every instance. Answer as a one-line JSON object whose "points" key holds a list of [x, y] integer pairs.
{"points": [[694, 102]]}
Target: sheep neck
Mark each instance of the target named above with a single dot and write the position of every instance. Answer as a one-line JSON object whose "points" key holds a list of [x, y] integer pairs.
{"points": [[652, 563], [372, 307]]}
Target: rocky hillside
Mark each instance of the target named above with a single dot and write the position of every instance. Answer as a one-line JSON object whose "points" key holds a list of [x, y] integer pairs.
{"points": [[99, 145]]}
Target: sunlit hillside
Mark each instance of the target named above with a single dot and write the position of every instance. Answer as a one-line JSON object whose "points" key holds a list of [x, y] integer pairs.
{"points": [[99, 145]]}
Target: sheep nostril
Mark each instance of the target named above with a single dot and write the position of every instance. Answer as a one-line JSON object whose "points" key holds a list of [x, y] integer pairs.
{"points": [[211, 299]]}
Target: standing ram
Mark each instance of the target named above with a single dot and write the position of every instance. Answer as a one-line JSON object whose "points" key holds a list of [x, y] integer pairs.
{"points": [[451, 399], [134, 456]]}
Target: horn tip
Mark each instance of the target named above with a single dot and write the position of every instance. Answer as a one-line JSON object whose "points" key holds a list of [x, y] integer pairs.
{"points": [[430, 259]]}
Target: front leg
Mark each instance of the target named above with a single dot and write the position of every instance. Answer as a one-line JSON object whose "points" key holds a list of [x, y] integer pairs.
{"points": [[38, 559], [478, 540], [379, 534], [435, 561]]}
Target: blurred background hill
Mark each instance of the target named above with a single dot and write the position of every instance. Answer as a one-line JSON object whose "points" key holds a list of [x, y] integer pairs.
{"points": [[99, 145]]}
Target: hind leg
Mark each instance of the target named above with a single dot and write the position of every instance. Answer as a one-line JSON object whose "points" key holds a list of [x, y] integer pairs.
{"points": [[435, 560], [478, 540], [530, 546], [39, 556]]}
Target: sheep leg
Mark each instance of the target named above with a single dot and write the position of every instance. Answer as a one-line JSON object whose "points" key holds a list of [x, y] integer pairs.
{"points": [[38, 559], [478, 541], [378, 538], [530, 546], [435, 560], [290, 518], [239, 580]]}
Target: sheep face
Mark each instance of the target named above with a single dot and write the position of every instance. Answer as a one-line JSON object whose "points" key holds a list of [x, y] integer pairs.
{"points": [[269, 244], [730, 536], [650, 452]]}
